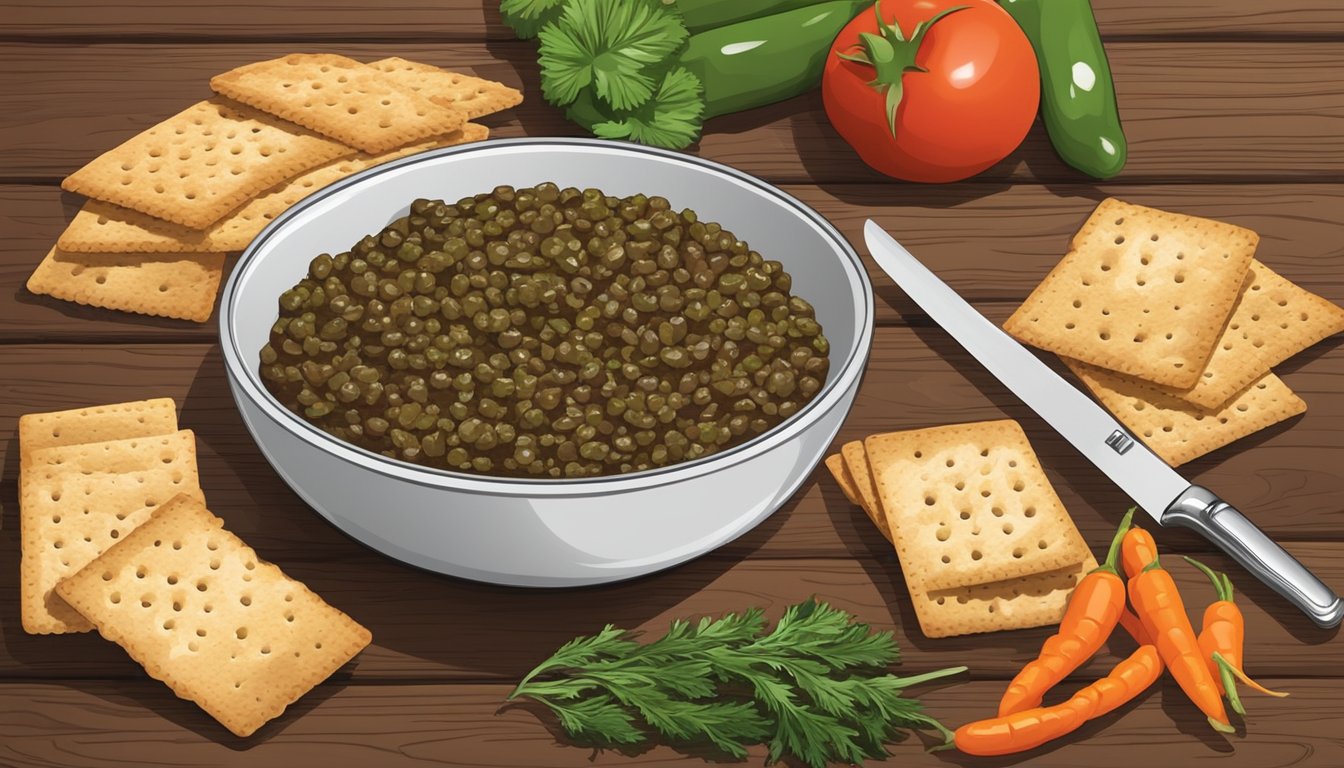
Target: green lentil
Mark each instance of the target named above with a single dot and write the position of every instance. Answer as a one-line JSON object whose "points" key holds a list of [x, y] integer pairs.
{"points": [[545, 332]]}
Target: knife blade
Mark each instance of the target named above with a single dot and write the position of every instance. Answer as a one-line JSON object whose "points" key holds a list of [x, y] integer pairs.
{"points": [[1155, 487]]}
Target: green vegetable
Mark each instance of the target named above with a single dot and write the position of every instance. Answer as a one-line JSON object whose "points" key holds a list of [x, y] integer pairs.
{"points": [[761, 61], [700, 15], [630, 69], [814, 689], [616, 47], [1077, 94], [527, 17]]}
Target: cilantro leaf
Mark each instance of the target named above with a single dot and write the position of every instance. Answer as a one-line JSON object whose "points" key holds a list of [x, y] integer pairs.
{"points": [[617, 47], [527, 17], [671, 119]]}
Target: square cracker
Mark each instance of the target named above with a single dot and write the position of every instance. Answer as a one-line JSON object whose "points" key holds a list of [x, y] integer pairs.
{"points": [[1029, 601], [1277, 318], [1179, 431], [1273, 320], [856, 461], [836, 464], [96, 423], [200, 611], [1037, 600], [177, 285], [969, 504], [101, 227], [201, 163], [339, 97], [1141, 291], [475, 96], [78, 500]]}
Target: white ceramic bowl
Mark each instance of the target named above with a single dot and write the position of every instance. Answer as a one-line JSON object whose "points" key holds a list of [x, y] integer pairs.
{"points": [[547, 533]]}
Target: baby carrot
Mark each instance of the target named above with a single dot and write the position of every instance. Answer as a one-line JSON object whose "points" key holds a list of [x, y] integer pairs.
{"points": [[1222, 639], [1137, 551], [1094, 607], [1031, 728], [1158, 604]]}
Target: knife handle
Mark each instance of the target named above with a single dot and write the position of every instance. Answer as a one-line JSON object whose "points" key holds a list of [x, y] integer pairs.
{"points": [[1219, 522]]}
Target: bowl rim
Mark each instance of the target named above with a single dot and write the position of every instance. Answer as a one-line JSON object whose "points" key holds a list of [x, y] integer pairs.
{"points": [[245, 382]]}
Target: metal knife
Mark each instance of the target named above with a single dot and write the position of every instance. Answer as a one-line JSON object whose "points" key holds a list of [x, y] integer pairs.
{"points": [[1157, 488]]}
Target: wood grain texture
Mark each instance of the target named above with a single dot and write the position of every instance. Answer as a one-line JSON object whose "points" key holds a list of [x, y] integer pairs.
{"points": [[469, 726], [479, 19], [1192, 111], [992, 243], [429, 627]]}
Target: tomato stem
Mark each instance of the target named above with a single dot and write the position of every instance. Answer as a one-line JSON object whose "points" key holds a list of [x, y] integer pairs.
{"points": [[891, 55]]}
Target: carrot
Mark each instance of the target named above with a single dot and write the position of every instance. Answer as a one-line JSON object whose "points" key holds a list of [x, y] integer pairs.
{"points": [[1158, 604], [1134, 627], [1094, 607], [1137, 551], [1031, 728], [1222, 639]]}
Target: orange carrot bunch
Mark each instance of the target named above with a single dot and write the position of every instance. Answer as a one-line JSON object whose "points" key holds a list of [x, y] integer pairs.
{"points": [[1206, 665]]}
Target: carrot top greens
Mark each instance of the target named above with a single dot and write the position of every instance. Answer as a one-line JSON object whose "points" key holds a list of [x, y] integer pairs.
{"points": [[815, 688]]}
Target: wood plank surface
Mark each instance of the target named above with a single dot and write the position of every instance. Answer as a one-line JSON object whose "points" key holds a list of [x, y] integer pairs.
{"points": [[118, 724], [991, 242], [1193, 111], [430, 627], [443, 20]]}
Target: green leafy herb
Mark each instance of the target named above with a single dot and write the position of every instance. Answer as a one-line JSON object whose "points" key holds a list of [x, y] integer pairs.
{"points": [[671, 119], [527, 17], [814, 689], [618, 47]]}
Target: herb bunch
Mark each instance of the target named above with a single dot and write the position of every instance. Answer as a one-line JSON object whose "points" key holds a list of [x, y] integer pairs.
{"points": [[815, 688]]}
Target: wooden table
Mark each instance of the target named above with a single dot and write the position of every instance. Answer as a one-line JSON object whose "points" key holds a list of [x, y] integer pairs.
{"points": [[1235, 110]]}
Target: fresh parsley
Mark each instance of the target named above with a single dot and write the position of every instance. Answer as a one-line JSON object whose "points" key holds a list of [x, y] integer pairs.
{"points": [[815, 688], [527, 17], [618, 47]]}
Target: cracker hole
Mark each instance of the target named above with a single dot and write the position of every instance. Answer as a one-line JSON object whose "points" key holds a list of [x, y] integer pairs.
{"points": [[1040, 544], [941, 600], [107, 575], [965, 514], [265, 650], [245, 600], [58, 544], [946, 559], [976, 554], [193, 646], [997, 511], [1007, 529], [201, 586], [1019, 552], [1029, 512], [170, 624], [214, 564], [930, 501], [241, 633], [943, 534], [172, 580], [114, 598], [177, 545]]}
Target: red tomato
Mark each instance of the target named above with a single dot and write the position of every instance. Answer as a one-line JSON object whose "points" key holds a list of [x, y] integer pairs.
{"points": [[968, 109]]}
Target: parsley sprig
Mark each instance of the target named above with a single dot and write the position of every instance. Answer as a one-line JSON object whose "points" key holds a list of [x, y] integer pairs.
{"points": [[815, 688]]}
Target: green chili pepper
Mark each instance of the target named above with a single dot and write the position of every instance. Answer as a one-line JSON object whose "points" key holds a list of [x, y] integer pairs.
{"points": [[768, 59], [1077, 93]]}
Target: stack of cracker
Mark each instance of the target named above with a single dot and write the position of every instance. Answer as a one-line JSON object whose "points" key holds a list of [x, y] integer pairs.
{"points": [[984, 542], [168, 204], [1174, 326], [116, 537]]}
